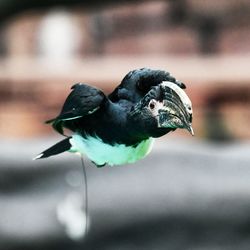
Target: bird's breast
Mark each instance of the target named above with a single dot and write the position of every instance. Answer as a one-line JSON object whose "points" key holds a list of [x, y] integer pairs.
{"points": [[103, 153]]}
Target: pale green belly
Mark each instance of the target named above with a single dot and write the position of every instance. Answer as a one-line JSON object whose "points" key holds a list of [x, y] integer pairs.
{"points": [[101, 153]]}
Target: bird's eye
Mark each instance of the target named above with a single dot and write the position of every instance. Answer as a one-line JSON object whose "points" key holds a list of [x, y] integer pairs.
{"points": [[152, 104]]}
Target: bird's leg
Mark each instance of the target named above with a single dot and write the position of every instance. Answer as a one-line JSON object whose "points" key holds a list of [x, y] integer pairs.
{"points": [[99, 166]]}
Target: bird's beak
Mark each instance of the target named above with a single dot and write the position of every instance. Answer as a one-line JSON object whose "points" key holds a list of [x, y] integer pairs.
{"points": [[175, 113]]}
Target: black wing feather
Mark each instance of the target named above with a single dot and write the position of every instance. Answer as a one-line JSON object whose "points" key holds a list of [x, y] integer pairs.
{"points": [[138, 82], [83, 100]]}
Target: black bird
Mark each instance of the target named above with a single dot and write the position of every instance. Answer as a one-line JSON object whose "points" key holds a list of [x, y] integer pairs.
{"points": [[119, 128]]}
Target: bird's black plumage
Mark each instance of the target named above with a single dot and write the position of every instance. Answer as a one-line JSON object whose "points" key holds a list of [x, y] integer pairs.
{"points": [[129, 116], [138, 82], [82, 101]]}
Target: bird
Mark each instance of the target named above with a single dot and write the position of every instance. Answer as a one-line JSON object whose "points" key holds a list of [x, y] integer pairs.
{"points": [[121, 127]]}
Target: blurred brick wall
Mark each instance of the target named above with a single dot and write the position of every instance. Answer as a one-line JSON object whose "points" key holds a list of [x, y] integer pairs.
{"points": [[32, 87]]}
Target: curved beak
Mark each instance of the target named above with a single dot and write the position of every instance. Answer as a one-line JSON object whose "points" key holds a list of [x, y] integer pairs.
{"points": [[175, 113], [190, 129]]}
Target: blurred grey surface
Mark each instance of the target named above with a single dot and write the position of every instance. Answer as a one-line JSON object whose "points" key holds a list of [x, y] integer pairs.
{"points": [[187, 194]]}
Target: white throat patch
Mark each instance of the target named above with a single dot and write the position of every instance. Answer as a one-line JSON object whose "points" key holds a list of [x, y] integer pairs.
{"points": [[102, 153]]}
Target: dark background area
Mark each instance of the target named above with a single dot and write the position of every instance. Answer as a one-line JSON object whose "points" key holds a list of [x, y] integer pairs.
{"points": [[190, 192]]}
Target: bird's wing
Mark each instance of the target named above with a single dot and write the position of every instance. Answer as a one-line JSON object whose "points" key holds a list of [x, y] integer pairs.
{"points": [[138, 82], [82, 101]]}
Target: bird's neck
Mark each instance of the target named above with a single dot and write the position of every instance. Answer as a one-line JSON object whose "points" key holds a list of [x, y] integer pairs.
{"points": [[124, 129], [145, 127]]}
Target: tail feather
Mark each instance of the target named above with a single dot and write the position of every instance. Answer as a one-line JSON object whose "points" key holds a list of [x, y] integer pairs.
{"points": [[58, 148]]}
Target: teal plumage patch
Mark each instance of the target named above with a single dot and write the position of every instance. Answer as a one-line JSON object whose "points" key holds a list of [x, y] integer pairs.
{"points": [[102, 153]]}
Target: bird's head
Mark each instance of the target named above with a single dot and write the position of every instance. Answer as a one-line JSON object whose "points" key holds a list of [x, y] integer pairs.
{"points": [[165, 108]]}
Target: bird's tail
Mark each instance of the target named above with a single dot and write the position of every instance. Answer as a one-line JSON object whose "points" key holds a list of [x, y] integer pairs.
{"points": [[58, 148]]}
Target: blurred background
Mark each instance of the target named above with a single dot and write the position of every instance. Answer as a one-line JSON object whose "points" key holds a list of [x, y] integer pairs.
{"points": [[190, 192]]}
